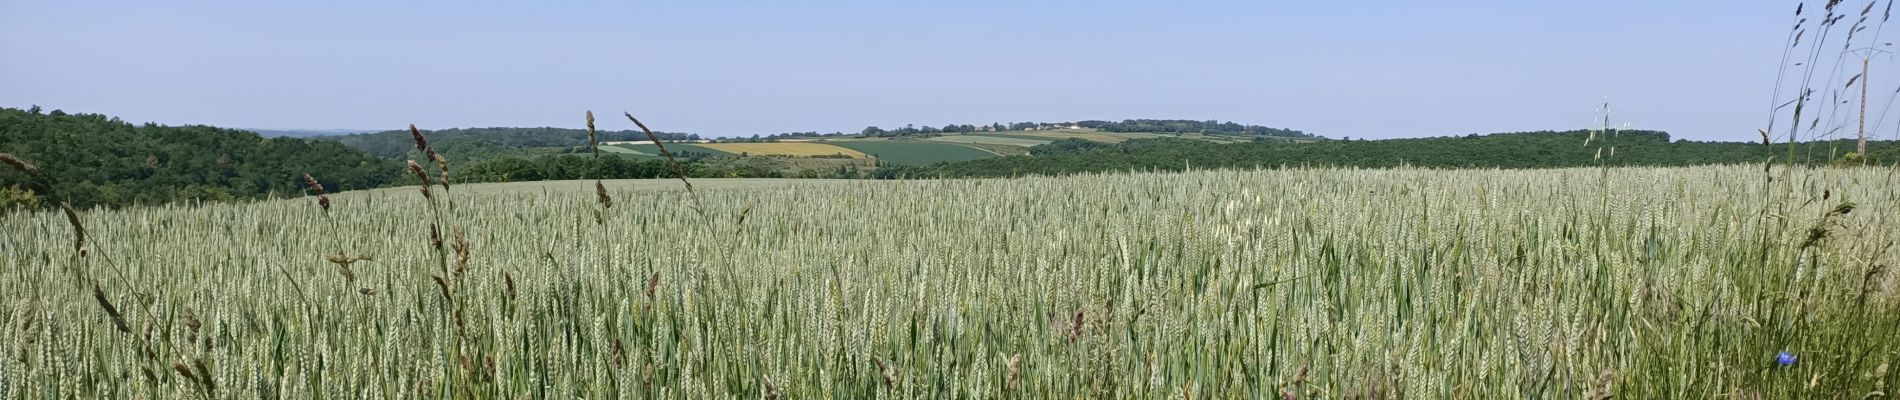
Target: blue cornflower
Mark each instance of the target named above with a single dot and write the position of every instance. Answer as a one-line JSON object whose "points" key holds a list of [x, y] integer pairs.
{"points": [[1785, 358]]}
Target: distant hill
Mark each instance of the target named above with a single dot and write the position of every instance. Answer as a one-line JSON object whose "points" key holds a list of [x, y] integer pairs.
{"points": [[1507, 150], [304, 133], [95, 160], [472, 144], [1160, 126]]}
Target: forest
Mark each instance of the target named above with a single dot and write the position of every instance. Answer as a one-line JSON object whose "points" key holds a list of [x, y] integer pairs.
{"points": [[94, 160]]}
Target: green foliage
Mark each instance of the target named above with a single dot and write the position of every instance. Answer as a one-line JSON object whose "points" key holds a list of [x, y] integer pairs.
{"points": [[474, 144], [615, 166], [1067, 146], [17, 197], [1507, 150], [914, 152], [92, 160], [1189, 126]]}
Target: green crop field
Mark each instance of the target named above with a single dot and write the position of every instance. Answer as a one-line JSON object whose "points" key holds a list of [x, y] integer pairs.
{"points": [[991, 139], [677, 148], [1316, 283], [626, 150], [914, 152]]}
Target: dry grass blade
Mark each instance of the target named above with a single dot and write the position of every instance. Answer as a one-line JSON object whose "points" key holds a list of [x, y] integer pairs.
{"points": [[740, 226], [670, 161], [345, 259]]}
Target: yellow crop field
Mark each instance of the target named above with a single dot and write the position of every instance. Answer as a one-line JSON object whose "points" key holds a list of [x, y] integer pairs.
{"points": [[784, 149]]}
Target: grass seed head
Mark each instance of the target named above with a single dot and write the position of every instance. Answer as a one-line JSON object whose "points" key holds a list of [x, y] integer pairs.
{"points": [[19, 164], [1015, 370], [508, 278], [888, 372], [441, 163], [592, 140], [461, 246], [118, 318], [767, 390], [444, 285], [416, 169], [191, 320], [600, 194], [184, 371], [653, 283], [422, 144], [311, 182], [79, 229], [1075, 327], [618, 357]]}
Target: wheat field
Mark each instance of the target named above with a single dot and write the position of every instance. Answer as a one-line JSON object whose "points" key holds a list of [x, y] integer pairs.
{"points": [[1295, 283]]}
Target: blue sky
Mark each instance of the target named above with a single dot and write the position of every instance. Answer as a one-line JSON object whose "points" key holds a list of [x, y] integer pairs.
{"points": [[1700, 69]]}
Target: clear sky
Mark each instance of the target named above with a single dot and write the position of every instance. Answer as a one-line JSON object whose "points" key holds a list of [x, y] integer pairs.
{"points": [[1700, 69]]}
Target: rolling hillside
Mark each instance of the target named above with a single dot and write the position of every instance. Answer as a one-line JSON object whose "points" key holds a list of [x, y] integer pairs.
{"points": [[1505, 150]]}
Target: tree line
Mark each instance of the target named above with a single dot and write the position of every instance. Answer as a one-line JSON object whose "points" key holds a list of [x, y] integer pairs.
{"points": [[473, 144], [1544, 149], [93, 160]]}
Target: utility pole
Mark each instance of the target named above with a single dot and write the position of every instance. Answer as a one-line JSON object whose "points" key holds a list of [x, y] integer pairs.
{"points": [[1862, 149], [1866, 56]]}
